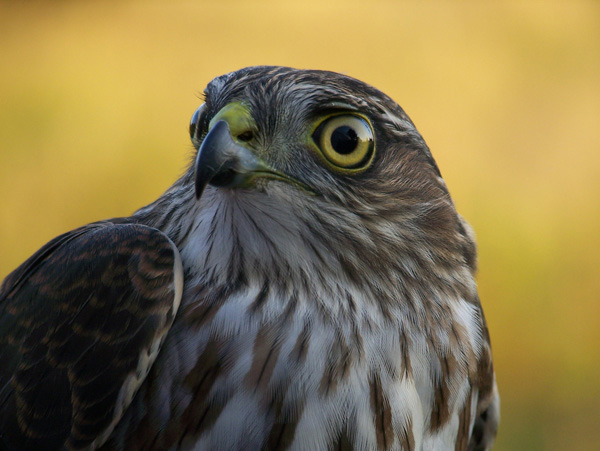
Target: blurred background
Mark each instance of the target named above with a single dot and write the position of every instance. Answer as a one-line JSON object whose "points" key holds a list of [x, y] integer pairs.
{"points": [[96, 97]]}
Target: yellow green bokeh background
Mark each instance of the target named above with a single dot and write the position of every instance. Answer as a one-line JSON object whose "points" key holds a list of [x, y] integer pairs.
{"points": [[95, 99]]}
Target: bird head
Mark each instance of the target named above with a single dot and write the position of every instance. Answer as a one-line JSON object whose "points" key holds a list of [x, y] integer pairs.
{"points": [[323, 133], [320, 161]]}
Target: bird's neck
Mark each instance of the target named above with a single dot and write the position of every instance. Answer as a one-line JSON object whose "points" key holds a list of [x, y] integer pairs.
{"points": [[300, 247]]}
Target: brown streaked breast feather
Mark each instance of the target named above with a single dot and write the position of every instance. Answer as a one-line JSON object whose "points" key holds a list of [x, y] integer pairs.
{"points": [[343, 444], [382, 412], [264, 357], [464, 426], [408, 437]]}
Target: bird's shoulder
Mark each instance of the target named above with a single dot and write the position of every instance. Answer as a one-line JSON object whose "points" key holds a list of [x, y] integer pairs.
{"points": [[81, 322]]}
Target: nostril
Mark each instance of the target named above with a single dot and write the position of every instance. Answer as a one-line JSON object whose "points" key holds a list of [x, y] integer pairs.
{"points": [[246, 136], [223, 178]]}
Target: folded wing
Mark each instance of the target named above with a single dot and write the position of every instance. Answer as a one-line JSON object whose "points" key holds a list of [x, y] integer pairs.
{"points": [[81, 323]]}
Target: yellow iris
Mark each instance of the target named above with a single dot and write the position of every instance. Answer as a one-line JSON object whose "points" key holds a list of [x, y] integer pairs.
{"points": [[346, 142]]}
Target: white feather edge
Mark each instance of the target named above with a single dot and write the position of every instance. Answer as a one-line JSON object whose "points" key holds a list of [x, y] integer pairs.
{"points": [[147, 357]]}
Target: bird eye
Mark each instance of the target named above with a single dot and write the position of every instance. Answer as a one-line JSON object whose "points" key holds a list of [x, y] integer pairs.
{"points": [[196, 120], [346, 141]]}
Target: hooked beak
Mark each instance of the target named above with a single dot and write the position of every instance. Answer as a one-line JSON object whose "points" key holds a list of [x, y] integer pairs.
{"points": [[222, 162]]}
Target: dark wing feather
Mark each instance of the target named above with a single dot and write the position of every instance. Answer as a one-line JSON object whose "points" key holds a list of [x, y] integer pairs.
{"points": [[487, 415], [485, 427], [81, 322]]}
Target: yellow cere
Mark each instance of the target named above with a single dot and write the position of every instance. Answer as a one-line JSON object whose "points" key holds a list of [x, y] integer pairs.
{"points": [[238, 117]]}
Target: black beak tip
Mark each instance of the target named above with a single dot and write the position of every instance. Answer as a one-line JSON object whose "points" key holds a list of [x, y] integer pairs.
{"points": [[200, 183], [200, 180], [199, 191]]}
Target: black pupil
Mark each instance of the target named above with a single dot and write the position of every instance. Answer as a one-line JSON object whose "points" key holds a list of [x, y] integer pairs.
{"points": [[344, 140]]}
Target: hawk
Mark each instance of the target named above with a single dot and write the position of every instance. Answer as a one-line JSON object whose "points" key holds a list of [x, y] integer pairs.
{"points": [[307, 284]]}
